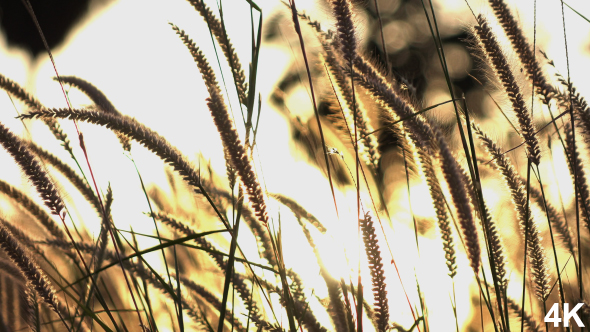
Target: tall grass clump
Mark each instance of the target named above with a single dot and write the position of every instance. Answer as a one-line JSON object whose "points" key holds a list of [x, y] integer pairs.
{"points": [[337, 166]]}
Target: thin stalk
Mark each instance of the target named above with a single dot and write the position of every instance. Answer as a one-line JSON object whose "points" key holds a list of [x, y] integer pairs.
{"points": [[29, 8], [315, 109], [230, 263], [526, 238], [572, 123], [559, 283]]}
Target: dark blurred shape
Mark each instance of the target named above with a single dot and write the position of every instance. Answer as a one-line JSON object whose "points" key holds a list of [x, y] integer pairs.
{"points": [[56, 18]]}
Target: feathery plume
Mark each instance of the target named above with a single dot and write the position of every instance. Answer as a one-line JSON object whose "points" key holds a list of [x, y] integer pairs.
{"points": [[576, 167], [487, 42], [353, 109], [529, 321], [533, 70], [301, 307], [19, 93], [205, 294], [32, 168], [218, 31], [9, 269], [557, 222], [452, 175], [99, 99], [105, 228], [424, 136], [377, 273], [33, 208], [182, 228], [229, 135], [139, 271], [188, 305], [317, 26], [71, 175], [395, 105], [24, 239], [579, 103], [536, 252], [342, 10], [261, 233], [97, 96], [299, 211], [206, 71], [238, 280], [438, 200], [30, 307], [494, 239], [336, 308], [31, 271], [130, 127], [230, 172]]}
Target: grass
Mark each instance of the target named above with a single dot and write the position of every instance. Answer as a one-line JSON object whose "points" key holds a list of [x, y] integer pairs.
{"points": [[407, 205]]}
